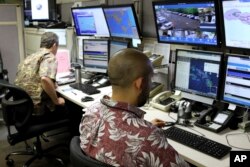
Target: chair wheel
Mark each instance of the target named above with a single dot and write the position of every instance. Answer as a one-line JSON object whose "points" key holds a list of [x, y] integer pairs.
{"points": [[10, 162]]}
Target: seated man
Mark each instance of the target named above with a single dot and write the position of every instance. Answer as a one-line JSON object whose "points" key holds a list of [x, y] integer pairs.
{"points": [[114, 131], [36, 75]]}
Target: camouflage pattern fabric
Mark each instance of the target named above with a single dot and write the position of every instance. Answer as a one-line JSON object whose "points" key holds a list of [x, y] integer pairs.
{"points": [[30, 71]]}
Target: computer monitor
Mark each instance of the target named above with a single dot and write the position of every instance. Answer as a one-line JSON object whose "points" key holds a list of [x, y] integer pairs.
{"points": [[96, 55], [236, 20], [198, 72], [40, 10], [122, 21], [237, 80], [187, 22], [115, 46], [90, 21]]}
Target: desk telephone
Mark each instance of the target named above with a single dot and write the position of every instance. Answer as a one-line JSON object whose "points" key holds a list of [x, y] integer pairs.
{"points": [[99, 81], [213, 120], [164, 100]]}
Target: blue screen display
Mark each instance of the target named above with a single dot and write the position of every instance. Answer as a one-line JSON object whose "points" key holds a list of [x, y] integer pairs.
{"points": [[90, 21], [122, 22], [237, 81], [198, 72], [186, 23]]}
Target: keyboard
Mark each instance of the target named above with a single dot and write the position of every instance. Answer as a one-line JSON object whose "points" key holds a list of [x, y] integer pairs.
{"points": [[85, 88], [199, 143]]}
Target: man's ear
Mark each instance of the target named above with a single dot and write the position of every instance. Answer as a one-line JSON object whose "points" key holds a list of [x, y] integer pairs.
{"points": [[138, 83]]}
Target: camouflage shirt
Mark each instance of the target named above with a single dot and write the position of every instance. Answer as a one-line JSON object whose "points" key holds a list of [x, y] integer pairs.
{"points": [[40, 64]]}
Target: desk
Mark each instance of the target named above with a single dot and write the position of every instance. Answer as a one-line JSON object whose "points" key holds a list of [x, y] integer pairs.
{"points": [[194, 157]]}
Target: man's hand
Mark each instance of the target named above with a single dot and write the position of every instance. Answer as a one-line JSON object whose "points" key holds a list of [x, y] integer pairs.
{"points": [[60, 101], [157, 122]]}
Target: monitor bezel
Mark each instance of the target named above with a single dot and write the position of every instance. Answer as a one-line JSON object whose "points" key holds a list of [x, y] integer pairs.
{"points": [[135, 18], [87, 68], [224, 31], [89, 7], [172, 2], [217, 97], [224, 79], [50, 19]]}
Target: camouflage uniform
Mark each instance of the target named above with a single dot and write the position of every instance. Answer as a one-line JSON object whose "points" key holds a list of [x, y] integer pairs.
{"points": [[40, 64]]}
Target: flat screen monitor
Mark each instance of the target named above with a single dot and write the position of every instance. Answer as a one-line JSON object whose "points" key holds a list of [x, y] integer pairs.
{"points": [[236, 18], [90, 21], [122, 21], [198, 72], [187, 22], [115, 46], [40, 10], [237, 80], [96, 55]]}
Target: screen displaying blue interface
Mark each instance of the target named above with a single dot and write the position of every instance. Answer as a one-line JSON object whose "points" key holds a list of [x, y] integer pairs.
{"points": [[90, 21], [122, 22], [186, 23], [198, 72], [96, 55], [237, 81]]}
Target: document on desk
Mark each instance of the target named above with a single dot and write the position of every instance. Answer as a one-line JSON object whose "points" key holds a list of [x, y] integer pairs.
{"points": [[63, 60]]}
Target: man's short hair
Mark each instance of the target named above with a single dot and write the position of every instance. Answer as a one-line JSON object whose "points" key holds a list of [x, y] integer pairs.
{"points": [[48, 39], [127, 65]]}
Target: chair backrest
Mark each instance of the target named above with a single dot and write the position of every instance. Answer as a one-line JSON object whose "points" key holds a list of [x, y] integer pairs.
{"points": [[79, 159], [17, 106]]}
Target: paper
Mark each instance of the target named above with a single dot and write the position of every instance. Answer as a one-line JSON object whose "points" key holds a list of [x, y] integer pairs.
{"points": [[177, 93], [162, 49], [63, 60], [232, 106]]}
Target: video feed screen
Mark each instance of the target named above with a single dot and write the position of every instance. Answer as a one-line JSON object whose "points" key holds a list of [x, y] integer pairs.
{"points": [[122, 21], [90, 21], [187, 22], [236, 16]]}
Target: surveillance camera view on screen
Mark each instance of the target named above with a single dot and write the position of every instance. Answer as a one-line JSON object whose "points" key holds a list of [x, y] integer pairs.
{"points": [[39, 9], [122, 22], [191, 23], [95, 55], [237, 82], [197, 72], [90, 21], [236, 14]]}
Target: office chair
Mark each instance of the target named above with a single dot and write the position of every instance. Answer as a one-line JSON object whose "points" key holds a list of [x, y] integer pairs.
{"points": [[79, 159], [17, 111]]}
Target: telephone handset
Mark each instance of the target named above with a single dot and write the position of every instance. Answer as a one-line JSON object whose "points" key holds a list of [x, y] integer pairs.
{"points": [[164, 100], [215, 124]]}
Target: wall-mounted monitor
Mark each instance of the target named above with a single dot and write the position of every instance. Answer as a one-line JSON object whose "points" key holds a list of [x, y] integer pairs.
{"points": [[90, 21], [237, 80], [96, 55], [198, 72], [40, 10], [187, 22], [122, 21], [236, 18]]}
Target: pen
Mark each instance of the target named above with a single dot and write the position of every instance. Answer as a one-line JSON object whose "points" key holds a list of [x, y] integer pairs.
{"points": [[73, 93]]}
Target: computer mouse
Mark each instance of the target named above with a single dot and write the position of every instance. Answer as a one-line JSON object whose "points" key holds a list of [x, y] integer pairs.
{"points": [[87, 98]]}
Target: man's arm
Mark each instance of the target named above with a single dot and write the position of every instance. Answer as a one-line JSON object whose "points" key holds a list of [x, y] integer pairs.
{"points": [[49, 87]]}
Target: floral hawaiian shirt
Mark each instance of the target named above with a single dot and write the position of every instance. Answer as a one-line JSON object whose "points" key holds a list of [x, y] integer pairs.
{"points": [[30, 71], [116, 134]]}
